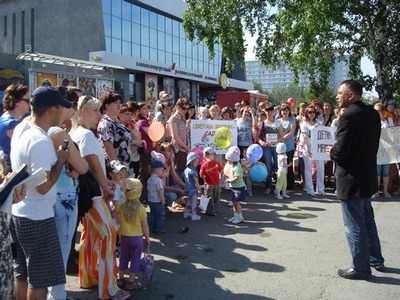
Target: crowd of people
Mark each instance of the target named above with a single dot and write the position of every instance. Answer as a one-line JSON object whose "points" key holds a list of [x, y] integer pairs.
{"points": [[102, 167]]}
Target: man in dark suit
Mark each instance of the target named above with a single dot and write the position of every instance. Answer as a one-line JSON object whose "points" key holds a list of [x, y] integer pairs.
{"points": [[355, 150]]}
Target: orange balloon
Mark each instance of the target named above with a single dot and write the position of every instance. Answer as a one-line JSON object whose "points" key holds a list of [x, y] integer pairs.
{"points": [[156, 131]]}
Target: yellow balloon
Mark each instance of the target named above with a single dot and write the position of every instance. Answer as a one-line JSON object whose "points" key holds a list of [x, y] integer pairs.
{"points": [[223, 137]]}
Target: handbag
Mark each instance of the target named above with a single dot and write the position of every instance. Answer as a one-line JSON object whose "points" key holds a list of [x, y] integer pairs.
{"points": [[88, 188], [204, 202], [147, 264]]}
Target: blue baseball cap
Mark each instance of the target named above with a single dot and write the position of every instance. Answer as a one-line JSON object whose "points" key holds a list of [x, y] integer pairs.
{"points": [[46, 96], [155, 164]]}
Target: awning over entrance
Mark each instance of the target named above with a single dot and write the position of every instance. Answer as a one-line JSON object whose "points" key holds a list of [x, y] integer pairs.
{"points": [[65, 61]]}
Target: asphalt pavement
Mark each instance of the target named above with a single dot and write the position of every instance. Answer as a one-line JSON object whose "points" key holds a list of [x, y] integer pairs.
{"points": [[286, 249]]}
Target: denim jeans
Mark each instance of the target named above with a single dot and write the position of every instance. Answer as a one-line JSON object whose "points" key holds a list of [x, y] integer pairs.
{"points": [[270, 159], [156, 216], [171, 196], [361, 234], [66, 215]]}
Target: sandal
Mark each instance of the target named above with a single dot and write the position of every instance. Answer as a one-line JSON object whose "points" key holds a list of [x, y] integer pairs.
{"points": [[121, 295], [134, 285], [121, 283], [267, 191], [177, 206]]}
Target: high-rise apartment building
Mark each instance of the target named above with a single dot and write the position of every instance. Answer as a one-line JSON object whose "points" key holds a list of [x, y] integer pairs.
{"points": [[282, 77]]}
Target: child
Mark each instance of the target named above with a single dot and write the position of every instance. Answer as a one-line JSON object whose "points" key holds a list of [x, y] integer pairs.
{"points": [[117, 173], [155, 197], [192, 186], [246, 165], [210, 172], [281, 182], [238, 187], [133, 227]]}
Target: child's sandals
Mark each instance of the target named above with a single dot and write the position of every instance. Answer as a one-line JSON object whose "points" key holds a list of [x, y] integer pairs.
{"points": [[134, 285]]}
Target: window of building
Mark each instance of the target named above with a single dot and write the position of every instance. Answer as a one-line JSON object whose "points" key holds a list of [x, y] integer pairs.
{"points": [[126, 31], [116, 8], [107, 6], [126, 10]]}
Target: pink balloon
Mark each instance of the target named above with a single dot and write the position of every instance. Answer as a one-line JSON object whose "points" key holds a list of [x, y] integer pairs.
{"points": [[199, 153], [202, 160], [291, 102]]}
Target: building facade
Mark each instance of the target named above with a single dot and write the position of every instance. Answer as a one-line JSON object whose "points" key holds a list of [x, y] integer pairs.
{"points": [[137, 48], [282, 77]]}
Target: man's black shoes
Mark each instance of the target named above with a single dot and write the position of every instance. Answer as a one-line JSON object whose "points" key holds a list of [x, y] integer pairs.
{"points": [[353, 274]]}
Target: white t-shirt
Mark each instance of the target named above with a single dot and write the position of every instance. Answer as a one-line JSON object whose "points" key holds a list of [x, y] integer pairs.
{"points": [[282, 159], [306, 128], [88, 144], [32, 146]]}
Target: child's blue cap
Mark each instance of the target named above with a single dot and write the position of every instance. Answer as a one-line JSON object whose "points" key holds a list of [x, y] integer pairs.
{"points": [[155, 164]]}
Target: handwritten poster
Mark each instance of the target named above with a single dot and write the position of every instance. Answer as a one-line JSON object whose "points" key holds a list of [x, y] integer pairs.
{"points": [[202, 134], [321, 138]]}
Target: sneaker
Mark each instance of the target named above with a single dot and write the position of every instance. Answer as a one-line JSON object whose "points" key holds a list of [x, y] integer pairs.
{"points": [[233, 218], [121, 295], [187, 214], [376, 195], [195, 217], [279, 197], [163, 230], [284, 195], [237, 220], [387, 195]]}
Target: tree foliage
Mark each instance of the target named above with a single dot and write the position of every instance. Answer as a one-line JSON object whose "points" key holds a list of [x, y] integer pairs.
{"points": [[307, 35], [279, 95]]}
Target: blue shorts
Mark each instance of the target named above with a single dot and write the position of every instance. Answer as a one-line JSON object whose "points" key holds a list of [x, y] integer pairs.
{"points": [[238, 194], [383, 170]]}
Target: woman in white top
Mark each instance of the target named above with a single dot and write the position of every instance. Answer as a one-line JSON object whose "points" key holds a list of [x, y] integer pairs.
{"points": [[310, 122], [98, 233], [383, 170]]}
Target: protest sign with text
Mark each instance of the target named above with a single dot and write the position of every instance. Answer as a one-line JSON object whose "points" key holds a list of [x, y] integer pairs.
{"points": [[202, 134], [321, 138]]}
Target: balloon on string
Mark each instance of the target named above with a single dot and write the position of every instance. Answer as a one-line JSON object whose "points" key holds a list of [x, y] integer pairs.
{"points": [[258, 172], [199, 153], [202, 160], [223, 137], [156, 131], [254, 153], [291, 102], [228, 170]]}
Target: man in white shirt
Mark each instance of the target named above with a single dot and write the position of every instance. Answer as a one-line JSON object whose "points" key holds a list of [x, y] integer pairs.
{"points": [[33, 227]]}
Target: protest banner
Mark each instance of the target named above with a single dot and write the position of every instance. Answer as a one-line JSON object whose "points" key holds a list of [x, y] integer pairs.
{"points": [[202, 134], [389, 146], [321, 138]]}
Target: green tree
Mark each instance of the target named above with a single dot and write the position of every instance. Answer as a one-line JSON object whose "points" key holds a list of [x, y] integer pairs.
{"points": [[258, 86], [308, 35], [279, 95]]}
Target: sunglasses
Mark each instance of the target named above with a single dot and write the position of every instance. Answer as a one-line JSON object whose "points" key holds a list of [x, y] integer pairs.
{"points": [[311, 112], [85, 101], [27, 100], [185, 107]]}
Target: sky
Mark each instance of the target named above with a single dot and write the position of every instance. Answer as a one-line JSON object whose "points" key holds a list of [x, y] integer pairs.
{"points": [[366, 65]]}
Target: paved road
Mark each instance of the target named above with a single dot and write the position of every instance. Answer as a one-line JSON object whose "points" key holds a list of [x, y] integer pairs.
{"points": [[287, 249]]}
